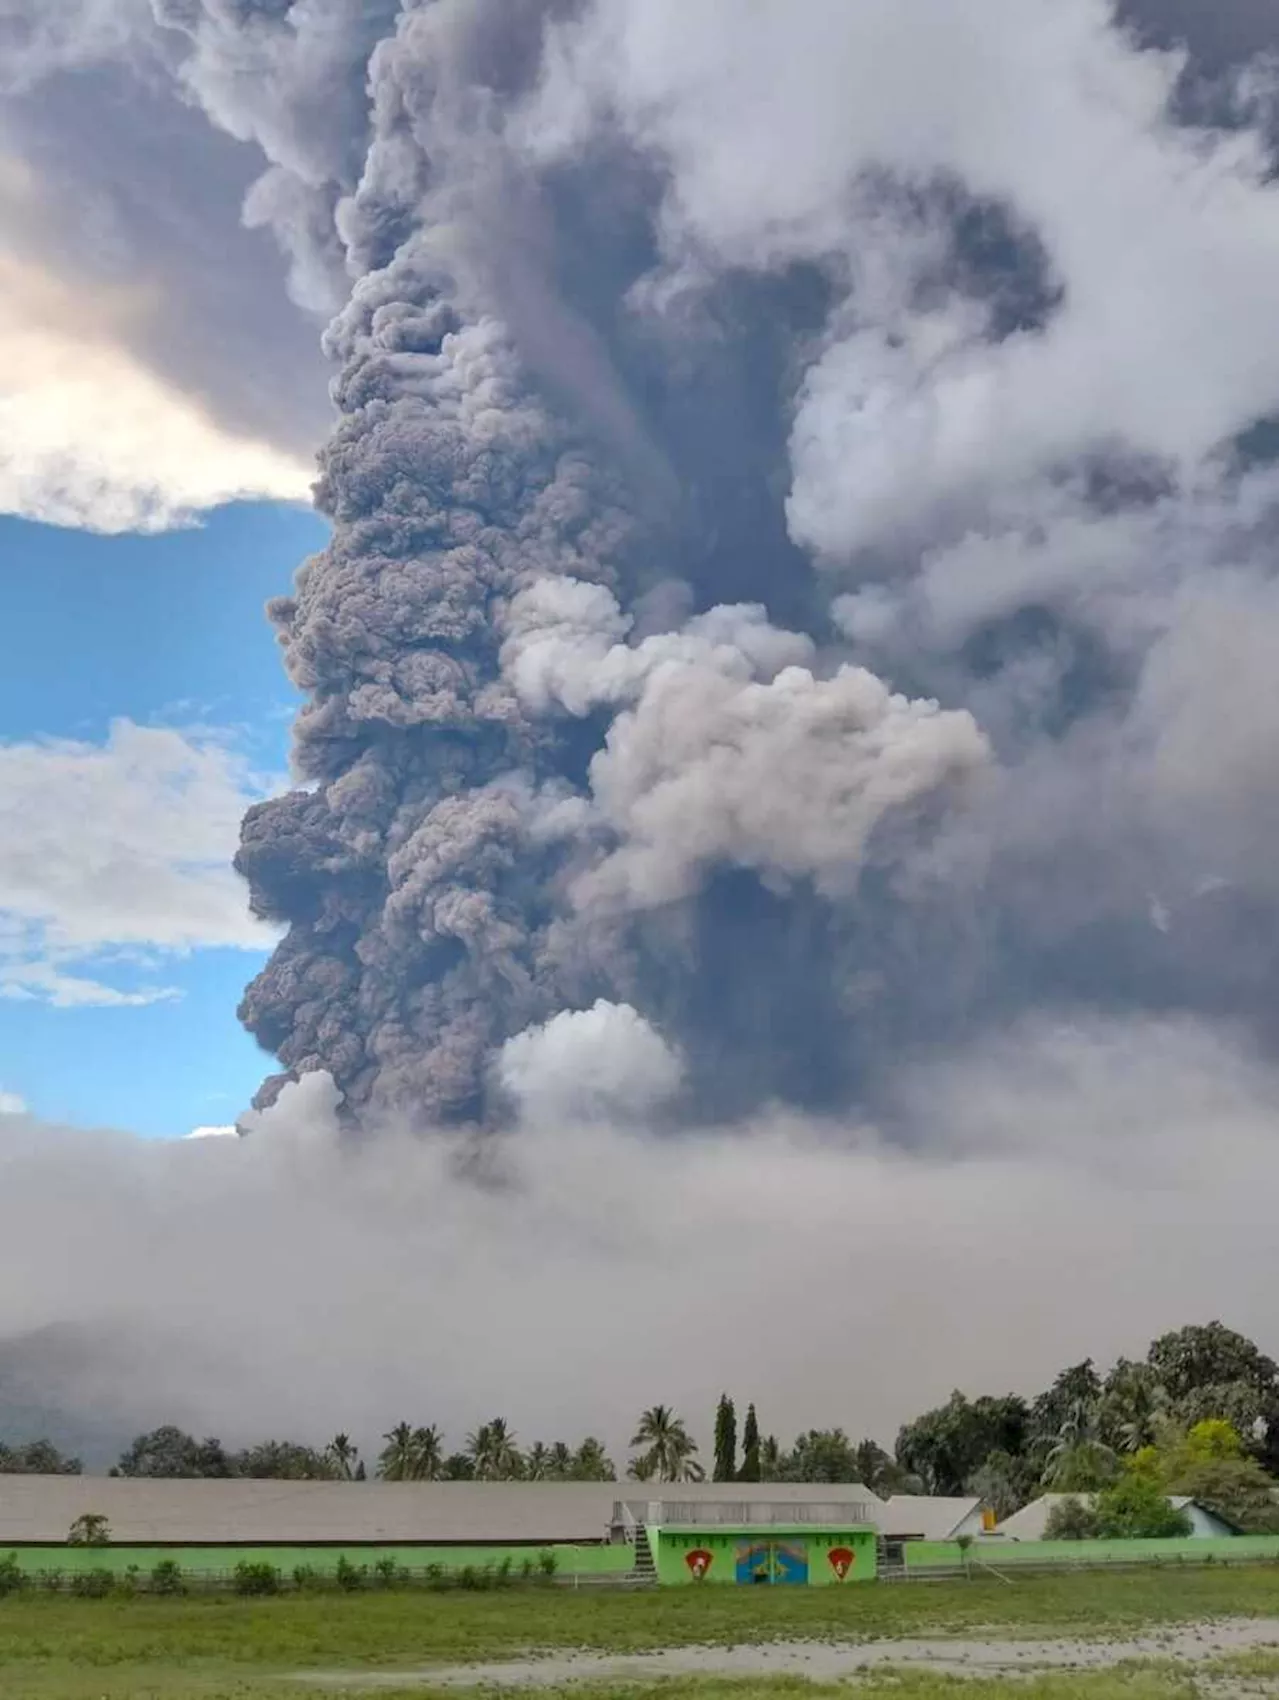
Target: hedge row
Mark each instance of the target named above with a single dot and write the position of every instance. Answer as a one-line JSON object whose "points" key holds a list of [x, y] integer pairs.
{"points": [[258, 1578]]}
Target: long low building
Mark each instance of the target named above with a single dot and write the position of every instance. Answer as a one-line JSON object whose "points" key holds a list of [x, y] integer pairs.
{"points": [[165, 1511]]}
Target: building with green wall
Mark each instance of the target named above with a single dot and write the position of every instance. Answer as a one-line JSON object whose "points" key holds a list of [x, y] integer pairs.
{"points": [[748, 1543]]}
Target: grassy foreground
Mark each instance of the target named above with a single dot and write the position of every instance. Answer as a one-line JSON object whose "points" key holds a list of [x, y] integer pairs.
{"points": [[224, 1648]]}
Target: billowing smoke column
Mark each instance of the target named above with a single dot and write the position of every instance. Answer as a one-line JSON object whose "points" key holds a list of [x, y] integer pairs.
{"points": [[505, 779]]}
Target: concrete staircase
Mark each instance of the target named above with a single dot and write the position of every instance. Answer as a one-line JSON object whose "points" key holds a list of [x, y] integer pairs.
{"points": [[644, 1569], [890, 1564]]}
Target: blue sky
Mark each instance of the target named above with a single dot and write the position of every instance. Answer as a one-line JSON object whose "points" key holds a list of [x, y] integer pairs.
{"points": [[163, 631]]}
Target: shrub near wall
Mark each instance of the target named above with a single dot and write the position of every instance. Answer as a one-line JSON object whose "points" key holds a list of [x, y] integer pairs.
{"points": [[210, 1563]]}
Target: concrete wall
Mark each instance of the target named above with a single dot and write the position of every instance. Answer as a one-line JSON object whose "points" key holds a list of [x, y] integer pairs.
{"points": [[214, 1561], [1005, 1555], [816, 1558]]}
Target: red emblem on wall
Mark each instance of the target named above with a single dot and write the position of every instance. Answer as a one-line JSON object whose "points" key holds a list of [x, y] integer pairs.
{"points": [[841, 1561], [699, 1562]]}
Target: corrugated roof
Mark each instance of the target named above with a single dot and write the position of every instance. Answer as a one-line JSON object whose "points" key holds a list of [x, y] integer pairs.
{"points": [[932, 1518], [142, 1509]]}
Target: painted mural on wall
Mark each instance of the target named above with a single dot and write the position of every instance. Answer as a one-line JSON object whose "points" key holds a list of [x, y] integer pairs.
{"points": [[772, 1561], [699, 1561], [841, 1561]]}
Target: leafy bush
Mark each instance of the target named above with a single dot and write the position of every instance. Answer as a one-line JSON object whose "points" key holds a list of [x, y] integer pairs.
{"points": [[386, 1572], [1138, 1509], [91, 1530], [92, 1584], [256, 1578], [306, 1578], [547, 1562], [166, 1577], [51, 1580], [127, 1582], [12, 1576], [350, 1576], [527, 1569], [468, 1577], [435, 1577], [502, 1575], [1070, 1520]]}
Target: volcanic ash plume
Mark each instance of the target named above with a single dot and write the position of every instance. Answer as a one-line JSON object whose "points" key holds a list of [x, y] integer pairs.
{"points": [[459, 865]]}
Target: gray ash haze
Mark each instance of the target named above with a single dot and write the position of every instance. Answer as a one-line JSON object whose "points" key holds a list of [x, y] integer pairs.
{"points": [[795, 657]]}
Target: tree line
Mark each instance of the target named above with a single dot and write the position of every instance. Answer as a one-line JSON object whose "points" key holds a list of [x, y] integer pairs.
{"points": [[1084, 1434]]}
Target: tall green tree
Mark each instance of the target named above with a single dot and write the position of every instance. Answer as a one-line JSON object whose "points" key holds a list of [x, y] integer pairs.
{"points": [[37, 1458], [395, 1461], [821, 1455], [591, 1463], [725, 1467], [537, 1463], [169, 1451], [1210, 1370], [750, 1471], [283, 1461], [1133, 1405], [946, 1445], [667, 1449], [494, 1455], [344, 1456], [1000, 1482]]}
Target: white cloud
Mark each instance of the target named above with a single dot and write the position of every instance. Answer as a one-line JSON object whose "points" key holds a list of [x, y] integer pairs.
{"points": [[110, 850], [606, 1061], [779, 125], [91, 437], [11, 1104], [213, 1133], [994, 1222]]}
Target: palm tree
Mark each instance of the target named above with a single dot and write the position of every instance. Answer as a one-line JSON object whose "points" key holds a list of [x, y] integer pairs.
{"points": [[428, 1454], [559, 1461], [668, 1447], [537, 1463], [1078, 1461], [494, 1452], [342, 1456], [395, 1461]]}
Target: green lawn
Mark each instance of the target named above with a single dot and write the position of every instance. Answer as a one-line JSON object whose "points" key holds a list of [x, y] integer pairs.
{"points": [[223, 1648]]}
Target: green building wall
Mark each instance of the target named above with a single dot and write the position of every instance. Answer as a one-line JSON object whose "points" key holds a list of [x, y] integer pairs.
{"points": [[216, 1561], [774, 1553]]}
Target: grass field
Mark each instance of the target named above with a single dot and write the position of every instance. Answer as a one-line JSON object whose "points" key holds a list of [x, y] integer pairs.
{"points": [[223, 1648]]}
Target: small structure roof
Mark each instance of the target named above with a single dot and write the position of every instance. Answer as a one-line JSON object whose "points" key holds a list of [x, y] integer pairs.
{"points": [[1029, 1523], [928, 1516]]}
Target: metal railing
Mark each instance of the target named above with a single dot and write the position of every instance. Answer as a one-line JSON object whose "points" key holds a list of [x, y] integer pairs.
{"points": [[739, 1513]]}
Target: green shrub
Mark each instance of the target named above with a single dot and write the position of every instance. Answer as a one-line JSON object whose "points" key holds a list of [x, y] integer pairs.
{"points": [[92, 1584], [386, 1572], [547, 1562], [527, 1568], [306, 1578], [502, 1575], [51, 1580], [468, 1577], [435, 1577], [256, 1578], [350, 1576], [126, 1584], [166, 1577], [12, 1576]]}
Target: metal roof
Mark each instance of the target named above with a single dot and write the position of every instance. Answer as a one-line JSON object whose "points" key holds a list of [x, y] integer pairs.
{"points": [[147, 1509], [932, 1518]]}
